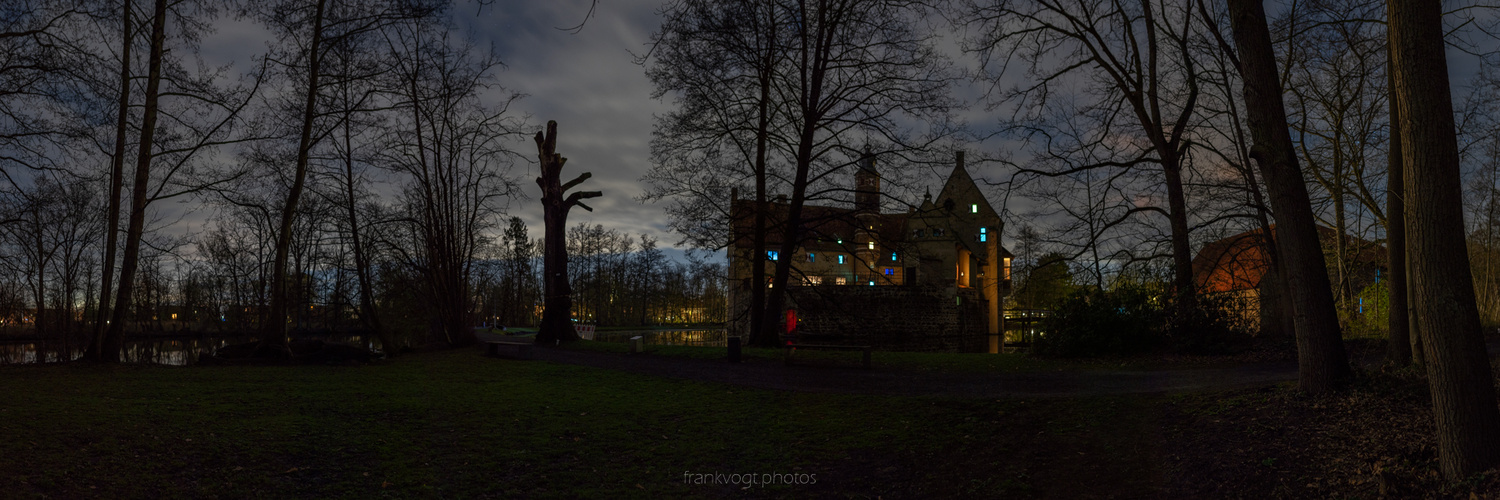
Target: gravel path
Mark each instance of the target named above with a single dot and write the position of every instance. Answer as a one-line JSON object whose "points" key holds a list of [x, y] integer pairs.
{"points": [[768, 374]]}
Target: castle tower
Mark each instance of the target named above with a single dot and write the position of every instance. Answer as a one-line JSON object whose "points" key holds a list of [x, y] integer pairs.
{"points": [[867, 185], [867, 219]]}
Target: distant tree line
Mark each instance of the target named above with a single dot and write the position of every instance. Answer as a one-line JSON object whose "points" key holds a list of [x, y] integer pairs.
{"points": [[356, 172]]}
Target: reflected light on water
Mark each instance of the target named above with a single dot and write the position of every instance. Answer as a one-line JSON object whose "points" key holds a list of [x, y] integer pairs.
{"points": [[173, 351]]}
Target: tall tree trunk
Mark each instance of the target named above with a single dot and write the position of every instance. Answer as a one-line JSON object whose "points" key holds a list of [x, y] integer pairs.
{"points": [[1182, 257], [116, 183], [1398, 348], [1323, 365], [760, 335], [39, 321], [1458, 367], [114, 336], [367, 313], [274, 331], [557, 321]]}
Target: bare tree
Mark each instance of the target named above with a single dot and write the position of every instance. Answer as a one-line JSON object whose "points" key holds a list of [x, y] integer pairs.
{"points": [[450, 145], [719, 59], [1135, 55]]}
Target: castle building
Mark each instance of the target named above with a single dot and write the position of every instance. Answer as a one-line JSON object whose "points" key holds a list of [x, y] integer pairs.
{"points": [[931, 277]]}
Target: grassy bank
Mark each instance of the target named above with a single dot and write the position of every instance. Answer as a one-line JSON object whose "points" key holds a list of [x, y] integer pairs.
{"points": [[456, 424]]}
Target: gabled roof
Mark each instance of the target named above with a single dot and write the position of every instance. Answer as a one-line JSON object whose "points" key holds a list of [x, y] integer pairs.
{"points": [[1239, 262], [960, 188]]}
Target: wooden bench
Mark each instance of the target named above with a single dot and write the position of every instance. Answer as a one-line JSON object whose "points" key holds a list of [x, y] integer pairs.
{"points": [[790, 348], [522, 348]]}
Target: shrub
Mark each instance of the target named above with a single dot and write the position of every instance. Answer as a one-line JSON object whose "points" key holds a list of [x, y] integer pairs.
{"points": [[1092, 322], [1216, 326], [1136, 318]]}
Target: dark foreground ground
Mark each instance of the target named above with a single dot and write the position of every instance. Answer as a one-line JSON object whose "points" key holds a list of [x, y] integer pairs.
{"points": [[456, 424]]}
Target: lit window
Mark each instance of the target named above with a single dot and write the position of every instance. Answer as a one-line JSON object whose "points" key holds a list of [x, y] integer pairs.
{"points": [[872, 245], [840, 241], [889, 271], [811, 257], [771, 254], [982, 234], [841, 259], [872, 283], [838, 281], [893, 256], [973, 208]]}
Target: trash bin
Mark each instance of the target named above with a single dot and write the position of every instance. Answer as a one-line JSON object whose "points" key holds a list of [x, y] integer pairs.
{"points": [[637, 344]]}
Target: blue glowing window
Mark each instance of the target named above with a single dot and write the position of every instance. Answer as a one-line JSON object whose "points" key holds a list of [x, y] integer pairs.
{"points": [[771, 254], [811, 257], [889, 271]]}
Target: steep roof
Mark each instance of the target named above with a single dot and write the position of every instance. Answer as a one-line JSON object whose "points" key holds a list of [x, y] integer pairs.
{"points": [[1239, 262], [960, 188]]}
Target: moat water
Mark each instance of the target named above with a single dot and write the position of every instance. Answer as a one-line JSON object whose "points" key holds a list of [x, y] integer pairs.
{"points": [[176, 351]]}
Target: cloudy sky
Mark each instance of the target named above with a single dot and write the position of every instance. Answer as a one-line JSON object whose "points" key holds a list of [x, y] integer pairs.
{"points": [[587, 82]]}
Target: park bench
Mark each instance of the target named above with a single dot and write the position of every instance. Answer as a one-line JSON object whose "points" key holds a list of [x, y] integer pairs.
{"points": [[791, 348], [521, 348]]}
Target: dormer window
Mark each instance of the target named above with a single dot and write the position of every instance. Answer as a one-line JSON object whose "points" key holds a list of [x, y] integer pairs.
{"points": [[973, 208]]}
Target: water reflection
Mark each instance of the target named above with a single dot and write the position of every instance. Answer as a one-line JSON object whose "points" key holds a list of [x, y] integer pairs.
{"points": [[160, 351], [710, 338]]}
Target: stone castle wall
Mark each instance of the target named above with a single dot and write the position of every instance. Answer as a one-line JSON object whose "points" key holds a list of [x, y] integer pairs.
{"points": [[898, 318]]}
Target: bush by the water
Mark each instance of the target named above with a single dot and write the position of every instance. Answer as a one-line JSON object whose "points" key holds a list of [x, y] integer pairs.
{"points": [[1132, 319]]}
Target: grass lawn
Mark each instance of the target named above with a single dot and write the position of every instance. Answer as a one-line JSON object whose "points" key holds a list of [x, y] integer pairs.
{"points": [[455, 424], [459, 425]]}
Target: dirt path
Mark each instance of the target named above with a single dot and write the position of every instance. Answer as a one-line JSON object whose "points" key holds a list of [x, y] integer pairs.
{"points": [[768, 374]]}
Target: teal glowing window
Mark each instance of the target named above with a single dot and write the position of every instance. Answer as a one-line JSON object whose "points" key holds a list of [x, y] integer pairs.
{"points": [[982, 234], [771, 254], [893, 256], [841, 259], [811, 257]]}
